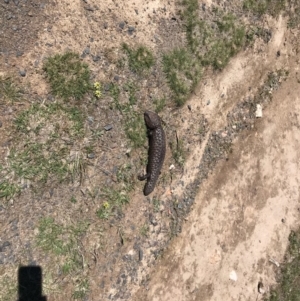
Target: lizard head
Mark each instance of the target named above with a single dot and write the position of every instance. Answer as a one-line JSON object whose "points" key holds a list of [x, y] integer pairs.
{"points": [[152, 120]]}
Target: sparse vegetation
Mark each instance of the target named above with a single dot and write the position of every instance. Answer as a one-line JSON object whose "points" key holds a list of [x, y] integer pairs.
{"points": [[62, 241], [8, 190], [156, 204], [11, 290], [159, 104], [182, 73], [209, 44], [44, 148], [135, 129], [114, 200], [68, 76], [294, 20], [289, 277], [9, 92], [260, 7], [133, 120], [178, 151], [81, 290], [139, 59], [125, 176], [144, 230]]}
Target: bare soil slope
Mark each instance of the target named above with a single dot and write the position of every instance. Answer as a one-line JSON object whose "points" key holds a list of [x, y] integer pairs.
{"points": [[237, 232]]}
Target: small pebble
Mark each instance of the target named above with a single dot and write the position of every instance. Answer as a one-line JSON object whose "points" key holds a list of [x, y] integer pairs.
{"points": [[91, 156], [0, 124], [90, 119], [108, 127], [22, 72], [131, 29], [87, 50], [96, 58], [19, 53], [233, 276], [122, 25], [208, 102]]}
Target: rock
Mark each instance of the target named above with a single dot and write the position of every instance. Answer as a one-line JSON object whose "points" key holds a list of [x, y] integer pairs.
{"points": [[258, 113], [108, 127], [96, 58], [260, 288], [91, 156], [4, 245], [0, 124], [19, 53], [131, 30], [87, 50], [122, 25], [208, 102], [6, 1], [22, 72], [233, 276], [116, 78]]}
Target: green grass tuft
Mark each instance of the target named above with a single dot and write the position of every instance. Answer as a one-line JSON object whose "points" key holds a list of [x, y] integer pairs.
{"points": [[139, 59], [68, 76], [9, 92]]}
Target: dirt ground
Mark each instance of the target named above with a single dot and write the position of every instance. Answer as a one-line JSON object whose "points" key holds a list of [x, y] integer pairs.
{"points": [[242, 210]]}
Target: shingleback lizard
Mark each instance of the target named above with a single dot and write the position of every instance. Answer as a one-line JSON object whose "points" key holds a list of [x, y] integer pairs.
{"points": [[157, 150]]}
